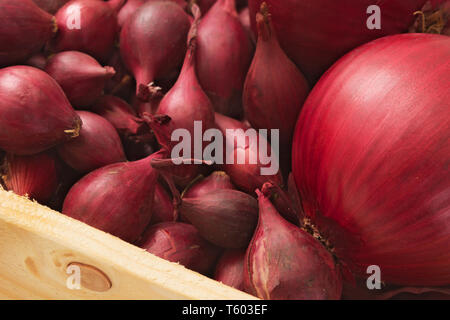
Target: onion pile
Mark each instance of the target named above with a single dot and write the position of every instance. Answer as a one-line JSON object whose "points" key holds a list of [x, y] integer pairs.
{"points": [[289, 149]]}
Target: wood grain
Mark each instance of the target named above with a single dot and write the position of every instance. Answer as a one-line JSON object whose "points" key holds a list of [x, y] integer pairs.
{"points": [[37, 244]]}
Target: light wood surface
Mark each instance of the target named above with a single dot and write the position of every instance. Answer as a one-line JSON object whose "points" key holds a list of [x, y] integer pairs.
{"points": [[37, 245]]}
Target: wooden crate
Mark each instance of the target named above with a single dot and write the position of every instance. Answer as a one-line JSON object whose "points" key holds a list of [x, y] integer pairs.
{"points": [[37, 245]]}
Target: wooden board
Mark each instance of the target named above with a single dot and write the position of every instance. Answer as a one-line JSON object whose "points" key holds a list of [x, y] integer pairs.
{"points": [[38, 244]]}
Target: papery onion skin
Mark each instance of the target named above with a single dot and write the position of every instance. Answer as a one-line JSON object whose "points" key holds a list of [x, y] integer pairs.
{"points": [[35, 114], [160, 28], [223, 58], [315, 34], [24, 30], [180, 242], [371, 157], [97, 145], [35, 176], [80, 76], [117, 199]]}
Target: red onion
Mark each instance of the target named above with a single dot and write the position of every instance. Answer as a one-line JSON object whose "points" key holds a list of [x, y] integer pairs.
{"points": [[244, 17], [88, 26], [117, 199], [24, 30], [121, 84], [275, 89], [67, 178], [38, 60], [132, 5], [230, 269], [371, 157], [180, 242], [285, 262], [246, 177], [180, 174], [50, 6], [98, 145], [35, 115], [34, 176], [121, 115], [314, 35], [226, 218], [163, 206], [80, 76], [186, 102], [223, 58], [160, 28], [135, 134], [218, 180]]}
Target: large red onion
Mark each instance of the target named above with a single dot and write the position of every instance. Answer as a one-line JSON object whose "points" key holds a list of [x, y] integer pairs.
{"points": [[117, 199], [181, 243], [88, 26], [24, 30], [80, 76], [285, 262], [35, 176], [159, 28], [50, 6], [315, 34], [223, 58], [371, 158], [35, 115], [246, 177], [97, 145], [275, 89]]}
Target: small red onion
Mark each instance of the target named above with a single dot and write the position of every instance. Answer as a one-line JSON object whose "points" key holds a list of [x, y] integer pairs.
{"points": [[226, 218], [97, 145], [35, 114], [223, 58], [246, 177], [88, 26], [275, 89], [80, 76], [160, 28], [117, 199], [285, 262], [180, 242], [218, 180], [24, 30]]}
